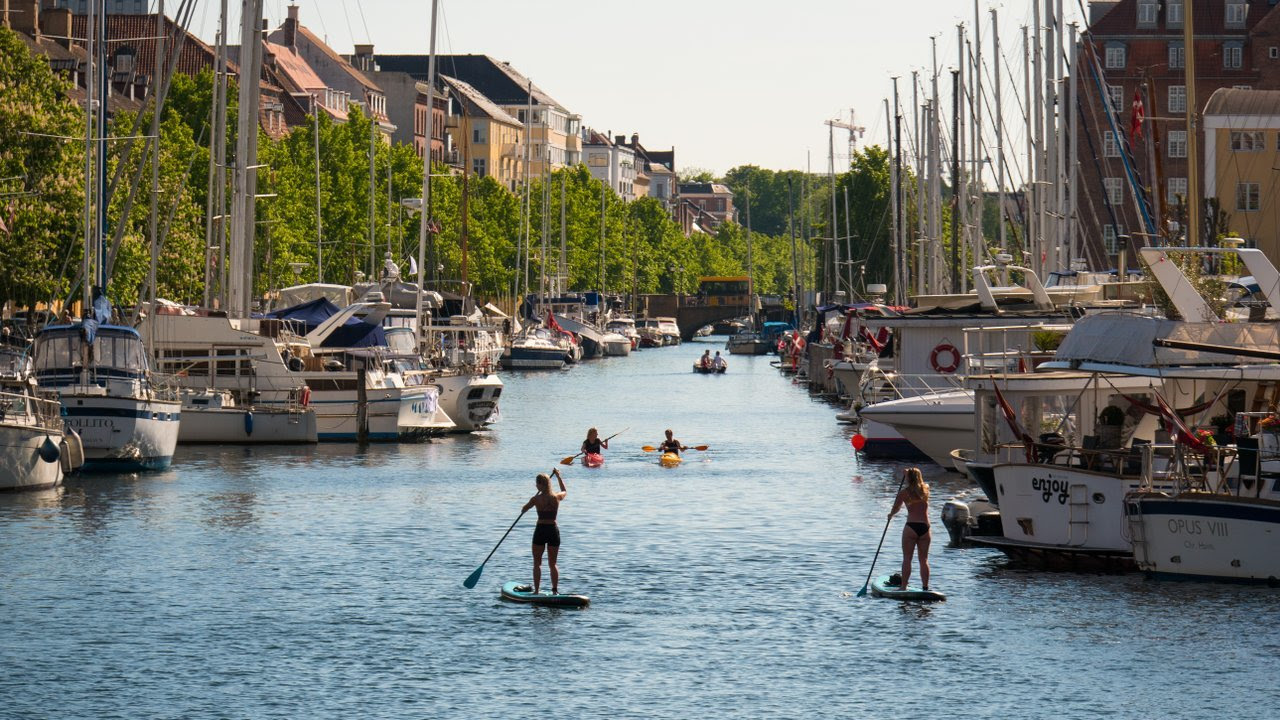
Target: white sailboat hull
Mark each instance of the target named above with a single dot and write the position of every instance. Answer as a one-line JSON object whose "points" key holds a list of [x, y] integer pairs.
{"points": [[1207, 536], [122, 434], [935, 424], [21, 467], [393, 414], [243, 426]]}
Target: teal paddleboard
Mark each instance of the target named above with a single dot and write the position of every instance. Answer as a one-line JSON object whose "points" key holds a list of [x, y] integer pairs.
{"points": [[882, 587], [519, 592]]}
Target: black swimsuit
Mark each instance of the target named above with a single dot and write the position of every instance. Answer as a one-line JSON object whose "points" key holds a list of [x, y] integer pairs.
{"points": [[592, 446], [546, 532]]}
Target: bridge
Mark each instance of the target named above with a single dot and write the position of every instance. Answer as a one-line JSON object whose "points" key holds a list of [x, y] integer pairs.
{"points": [[693, 311]]}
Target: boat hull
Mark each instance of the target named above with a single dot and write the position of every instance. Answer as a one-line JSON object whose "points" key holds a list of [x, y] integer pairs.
{"points": [[123, 434], [593, 460], [21, 464], [241, 426], [471, 400], [884, 443], [393, 414], [935, 425], [669, 460], [1209, 537]]}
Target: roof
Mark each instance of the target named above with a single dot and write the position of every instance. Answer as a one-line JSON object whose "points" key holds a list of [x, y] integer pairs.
{"points": [[493, 78], [1210, 19], [696, 188], [138, 32], [476, 104], [1230, 101], [323, 47], [294, 68]]}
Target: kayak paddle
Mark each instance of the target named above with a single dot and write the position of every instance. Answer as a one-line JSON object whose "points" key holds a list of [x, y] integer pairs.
{"points": [[474, 577], [650, 448], [569, 460], [863, 591]]}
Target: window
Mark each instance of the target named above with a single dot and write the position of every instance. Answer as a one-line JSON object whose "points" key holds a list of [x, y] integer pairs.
{"points": [[479, 134], [478, 166], [1177, 55], [1177, 98], [1176, 191], [1247, 140], [1246, 196], [1115, 190], [1110, 147], [1236, 12], [1177, 143], [1273, 52], [1173, 13], [1115, 56], [1111, 235], [1147, 10], [1117, 96], [1241, 87], [1232, 54]]}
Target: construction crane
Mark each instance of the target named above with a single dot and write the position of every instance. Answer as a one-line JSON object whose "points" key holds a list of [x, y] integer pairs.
{"points": [[855, 131]]}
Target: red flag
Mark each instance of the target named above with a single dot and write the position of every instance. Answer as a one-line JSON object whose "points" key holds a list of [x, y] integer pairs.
{"points": [[1177, 429], [551, 323], [1135, 126], [1011, 418]]}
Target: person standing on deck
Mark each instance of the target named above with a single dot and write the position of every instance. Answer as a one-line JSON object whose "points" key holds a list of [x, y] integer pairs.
{"points": [[915, 536], [546, 534]]}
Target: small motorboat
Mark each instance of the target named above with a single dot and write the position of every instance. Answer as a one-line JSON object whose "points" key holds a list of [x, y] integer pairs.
{"points": [[698, 368]]}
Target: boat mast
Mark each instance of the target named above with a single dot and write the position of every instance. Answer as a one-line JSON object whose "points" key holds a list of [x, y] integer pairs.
{"points": [[750, 266], [1193, 165], [996, 61], [90, 60], [155, 165], [244, 202], [315, 134], [1072, 139], [831, 171], [424, 217]]}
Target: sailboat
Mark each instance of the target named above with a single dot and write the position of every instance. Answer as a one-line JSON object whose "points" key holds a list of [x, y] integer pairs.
{"points": [[35, 451], [100, 370]]}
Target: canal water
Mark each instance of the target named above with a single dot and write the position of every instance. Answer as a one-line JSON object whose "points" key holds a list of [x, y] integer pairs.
{"points": [[326, 582]]}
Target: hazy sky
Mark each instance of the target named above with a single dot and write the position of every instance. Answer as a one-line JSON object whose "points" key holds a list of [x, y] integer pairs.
{"points": [[727, 82]]}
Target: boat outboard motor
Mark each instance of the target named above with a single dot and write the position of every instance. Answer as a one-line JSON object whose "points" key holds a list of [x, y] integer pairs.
{"points": [[955, 515]]}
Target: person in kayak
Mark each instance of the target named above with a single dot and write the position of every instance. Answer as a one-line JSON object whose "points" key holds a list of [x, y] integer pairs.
{"points": [[671, 445], [915, 536], [593, 444], [546, 534]]}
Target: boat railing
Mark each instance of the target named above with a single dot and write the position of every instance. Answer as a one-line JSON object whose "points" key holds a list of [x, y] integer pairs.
{"points": [[911, 385], [25, 409], [1170, 465]]}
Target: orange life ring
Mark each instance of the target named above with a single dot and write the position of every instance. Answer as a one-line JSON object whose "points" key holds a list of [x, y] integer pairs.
{"points": [[952, 364], [306, 395]]}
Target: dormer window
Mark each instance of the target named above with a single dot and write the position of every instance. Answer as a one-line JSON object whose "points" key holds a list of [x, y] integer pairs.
{"points": [[1236, 12], [1147, 12]]}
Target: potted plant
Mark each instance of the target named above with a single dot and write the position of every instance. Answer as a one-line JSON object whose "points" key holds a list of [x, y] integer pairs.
{"points": [[1110, 423]]}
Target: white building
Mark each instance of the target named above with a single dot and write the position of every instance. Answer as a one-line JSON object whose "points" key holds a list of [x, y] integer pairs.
{"points": [[610, 162]]}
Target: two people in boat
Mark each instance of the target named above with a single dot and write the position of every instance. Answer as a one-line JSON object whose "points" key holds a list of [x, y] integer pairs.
{"points": [[914, 495], [706, 362], [546, 534]]}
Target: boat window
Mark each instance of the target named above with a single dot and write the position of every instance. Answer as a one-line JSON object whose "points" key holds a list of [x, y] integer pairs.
{"points": [[53, 353]]}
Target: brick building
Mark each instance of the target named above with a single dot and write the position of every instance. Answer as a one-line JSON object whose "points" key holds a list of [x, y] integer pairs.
{"points": [[1137, 47]]}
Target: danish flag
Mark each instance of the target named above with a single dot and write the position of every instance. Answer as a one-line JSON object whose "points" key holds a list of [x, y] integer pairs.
{"points": [[1135, 127]]}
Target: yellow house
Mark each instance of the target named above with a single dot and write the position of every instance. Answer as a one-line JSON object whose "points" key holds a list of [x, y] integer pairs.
{"points": [[490, 139], [1242, 163]]}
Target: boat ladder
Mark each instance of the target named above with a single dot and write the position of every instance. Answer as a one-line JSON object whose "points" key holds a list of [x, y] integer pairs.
{"points": [[1137, 533], [1078, 514]]}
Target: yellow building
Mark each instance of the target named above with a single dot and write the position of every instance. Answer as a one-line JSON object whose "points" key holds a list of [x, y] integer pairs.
{"points": [[1242, 157], [490, 139]]}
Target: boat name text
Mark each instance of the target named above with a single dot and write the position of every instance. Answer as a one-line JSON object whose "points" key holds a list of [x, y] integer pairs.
{"points": [[1216, 528], [1048, 487]]}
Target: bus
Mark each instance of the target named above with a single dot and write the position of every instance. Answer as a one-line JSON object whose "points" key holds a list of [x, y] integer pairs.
{"points": [[725, 290]]}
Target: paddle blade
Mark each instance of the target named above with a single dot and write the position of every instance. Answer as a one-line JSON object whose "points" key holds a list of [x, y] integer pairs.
{"points": [[648, 448], [474, 578], [701, 447], [568, 460], [863, 591]]}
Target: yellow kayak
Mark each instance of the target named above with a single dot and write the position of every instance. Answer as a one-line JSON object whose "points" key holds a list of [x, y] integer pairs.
{"points": [[669, 459]]}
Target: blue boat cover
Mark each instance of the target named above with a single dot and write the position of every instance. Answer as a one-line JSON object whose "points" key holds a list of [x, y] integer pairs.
{"points": [[353, 333]]}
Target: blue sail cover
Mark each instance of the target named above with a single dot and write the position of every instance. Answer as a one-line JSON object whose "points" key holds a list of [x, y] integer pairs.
{"points": [[353, 333]]}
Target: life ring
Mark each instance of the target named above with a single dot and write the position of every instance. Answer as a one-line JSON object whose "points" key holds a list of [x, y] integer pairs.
{"points": [[952, 363], [306, 395]]}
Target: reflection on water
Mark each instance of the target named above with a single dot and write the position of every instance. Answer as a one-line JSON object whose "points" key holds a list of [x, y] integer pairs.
{"points": [[325, 581]]}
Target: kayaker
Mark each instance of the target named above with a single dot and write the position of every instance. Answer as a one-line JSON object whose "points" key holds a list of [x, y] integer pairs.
{"points": [[593, 443], [915, 536], [718, 362], [671, 445], [546, 534], [705, 362]]}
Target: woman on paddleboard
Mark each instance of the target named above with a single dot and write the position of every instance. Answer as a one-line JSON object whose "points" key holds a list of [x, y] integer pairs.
{"points": [[593, 444], [671, 445], [915, 536], [546, 534]]}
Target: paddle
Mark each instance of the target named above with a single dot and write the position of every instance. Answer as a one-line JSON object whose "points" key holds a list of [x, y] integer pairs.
{"points": [[474, 577], [863, 591], [650, 448], [569, 460]]}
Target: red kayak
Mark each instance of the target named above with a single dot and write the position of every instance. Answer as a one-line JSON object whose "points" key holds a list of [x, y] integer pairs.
{"points": [[593, 460]]}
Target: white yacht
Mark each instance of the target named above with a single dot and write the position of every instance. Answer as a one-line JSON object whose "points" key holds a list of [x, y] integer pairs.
{"points": [[108, 394], [626, 327], [468, 393], [34, 453]]}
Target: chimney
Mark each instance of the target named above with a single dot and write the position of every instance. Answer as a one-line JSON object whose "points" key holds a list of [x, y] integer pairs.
{"points": [[290, 39], [635, 139], [56, 23], [24, 17]]}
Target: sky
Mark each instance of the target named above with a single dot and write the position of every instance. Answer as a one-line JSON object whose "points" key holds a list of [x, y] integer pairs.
{"points": [[724, 82]]}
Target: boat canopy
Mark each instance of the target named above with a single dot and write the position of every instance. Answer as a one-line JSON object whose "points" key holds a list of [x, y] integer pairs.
{"points": [[1127, 339], [582, 329], [353, 333], [115, 352]]}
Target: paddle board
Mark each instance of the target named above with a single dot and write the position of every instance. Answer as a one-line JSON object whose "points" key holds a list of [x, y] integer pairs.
{"points": [[669, 460], [593, 460], [520, 592], [882, 587]]}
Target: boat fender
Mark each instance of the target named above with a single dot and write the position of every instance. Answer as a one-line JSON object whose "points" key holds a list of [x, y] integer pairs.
{"points": [[49, 450], [306, 395], [248, 423], [952, 358], [73, 450]]}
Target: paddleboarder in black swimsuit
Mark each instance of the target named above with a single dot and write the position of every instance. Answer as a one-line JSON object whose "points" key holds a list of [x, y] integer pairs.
{"points": [[916, 535], [546, 534]]}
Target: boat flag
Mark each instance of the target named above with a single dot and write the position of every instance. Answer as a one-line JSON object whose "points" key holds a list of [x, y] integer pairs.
{"points": [[1011, 418], [1178, 430], [1135, 127], [551, 323]]}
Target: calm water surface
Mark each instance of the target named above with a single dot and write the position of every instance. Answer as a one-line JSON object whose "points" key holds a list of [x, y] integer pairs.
{"points": [[325, 582]]}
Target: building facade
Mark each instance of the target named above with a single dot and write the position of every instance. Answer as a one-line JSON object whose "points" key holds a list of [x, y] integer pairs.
{"points": [[1242, 152], [490, 140], [612, 163], [712, 199], [1135, 48]]}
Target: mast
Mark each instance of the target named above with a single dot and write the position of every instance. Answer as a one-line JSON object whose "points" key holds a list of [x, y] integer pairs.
{"points": [[1037, 160], [795, 275], [1193, 164], [220, 133], [750, 264], [153, 230], [373, 193], [957, 218], [979, 243], [1072, 138], [960, 186], [1029, 177], [602, 189], [244, 215], [562, 267], [996, 61], [89, 243], [465, 235], [425, 216], [919, 184], [835, 243], [315, 133]]}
